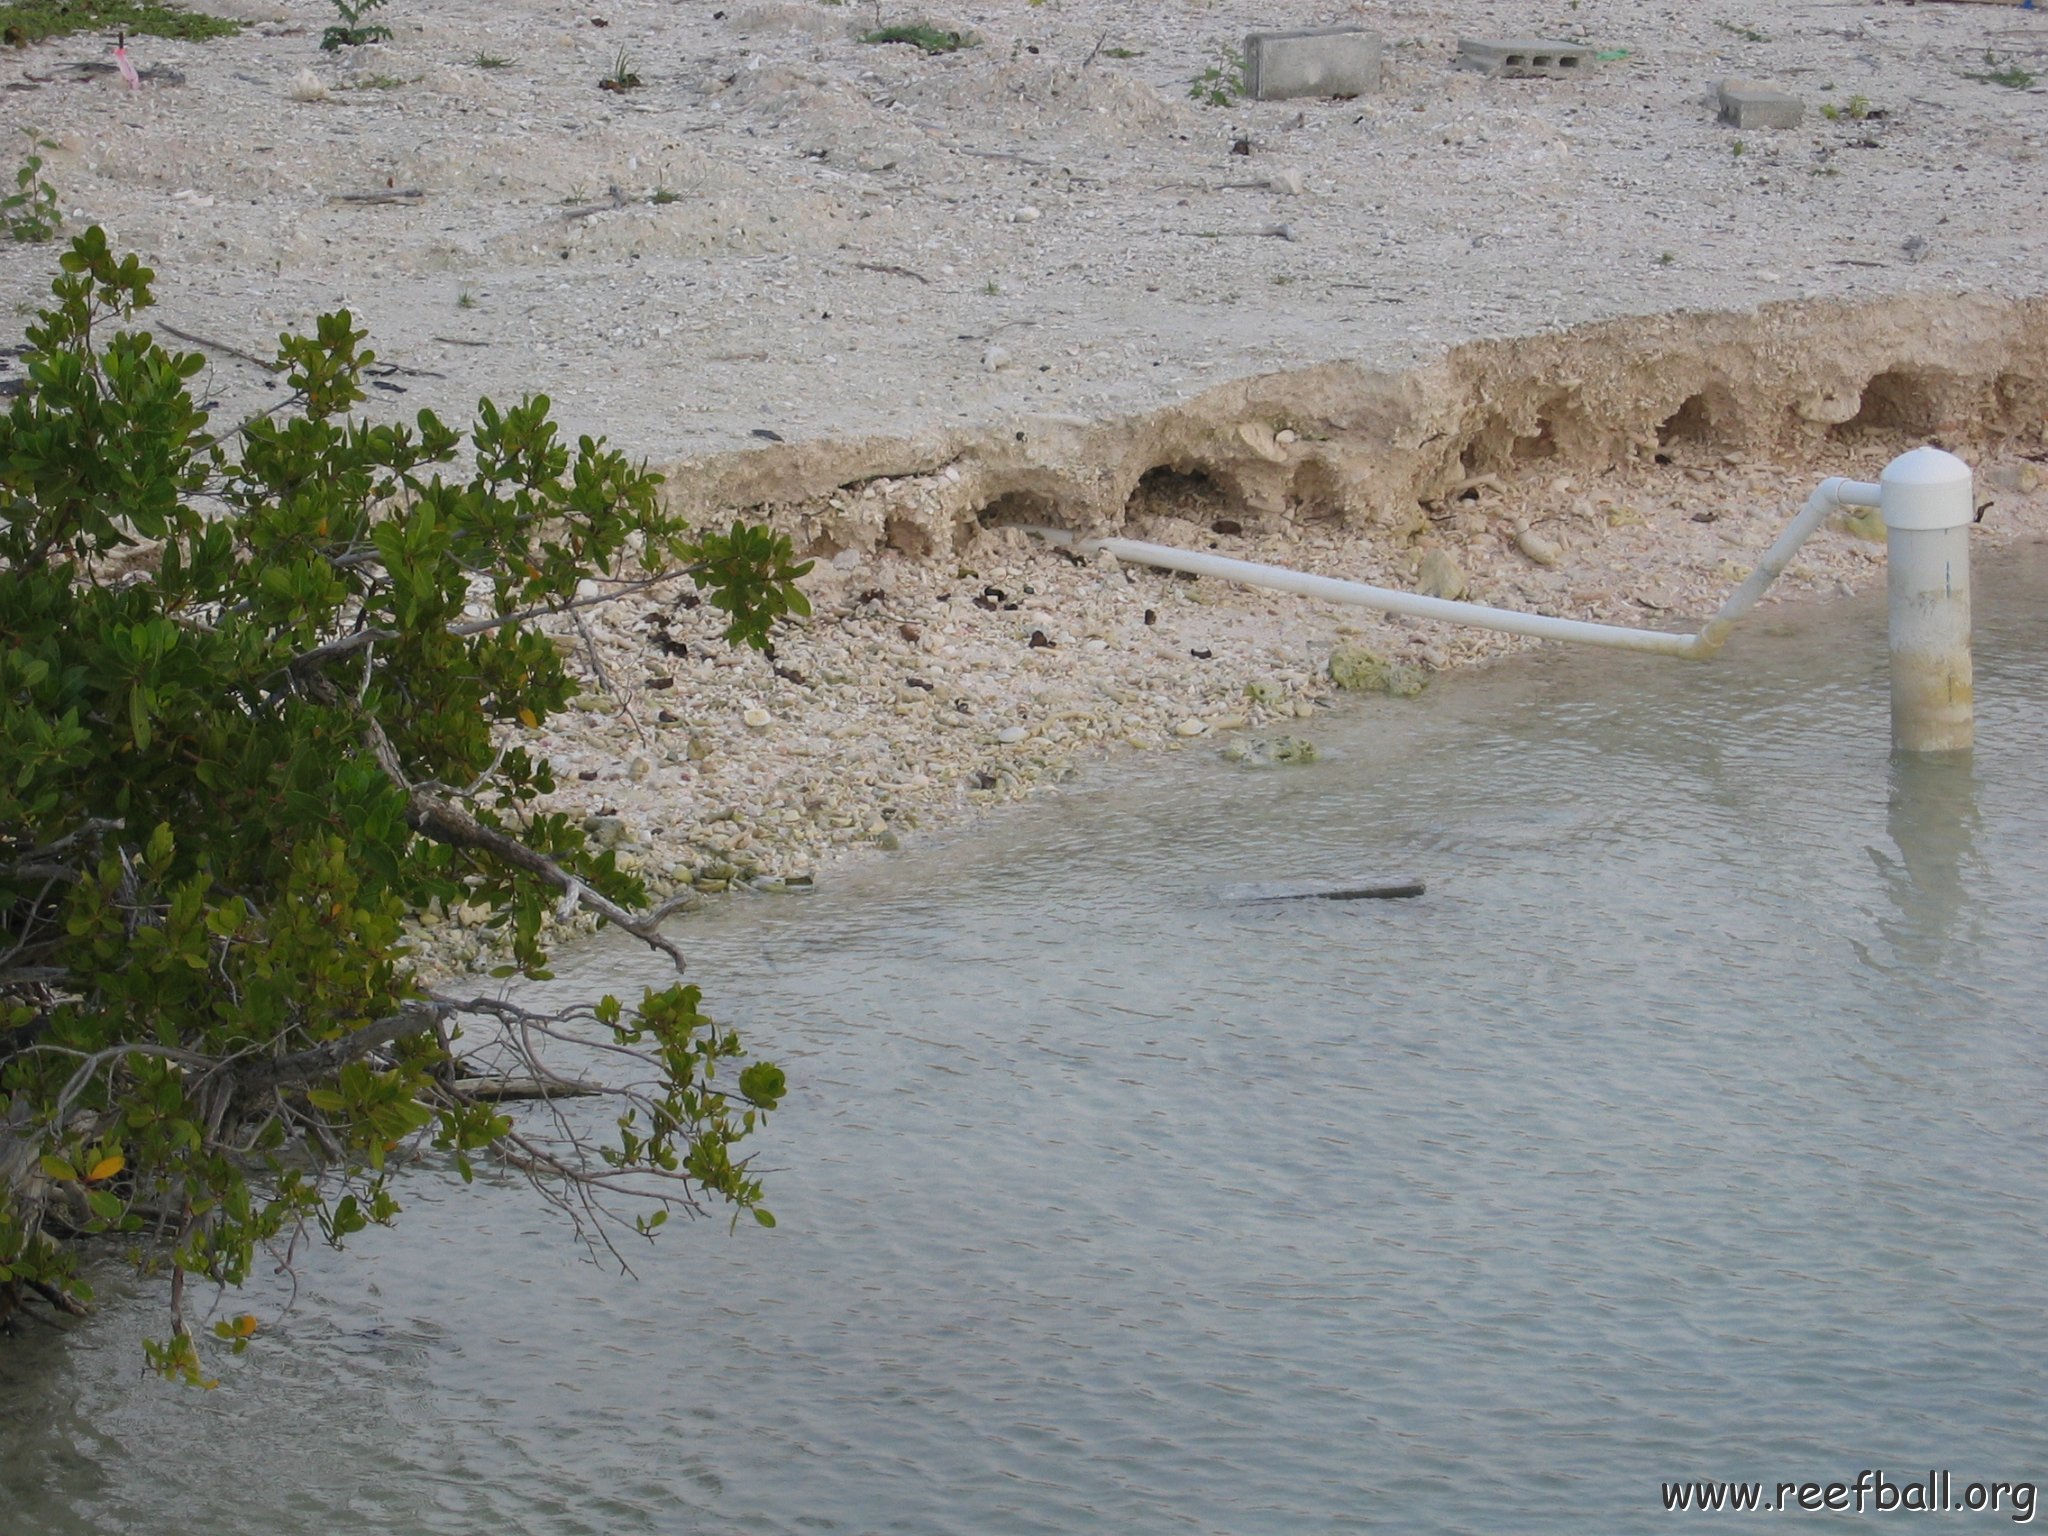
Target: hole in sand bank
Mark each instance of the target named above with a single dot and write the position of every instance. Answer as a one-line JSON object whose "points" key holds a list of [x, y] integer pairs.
{"points": [[1542, 444], [1318, 492], [1489, 449], [1193, 495], [1015, 509], [907, 538], [1500, 446], [1698, 422], [1897, 400], [1560, 432], [2022, 401]]}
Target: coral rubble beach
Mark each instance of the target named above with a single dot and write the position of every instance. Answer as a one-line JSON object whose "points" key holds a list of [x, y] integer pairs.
{"points": [[1573, 346]]}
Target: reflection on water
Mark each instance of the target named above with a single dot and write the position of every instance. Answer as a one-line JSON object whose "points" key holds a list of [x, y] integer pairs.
{"points": [[1932, 822], [1689, 1127]]}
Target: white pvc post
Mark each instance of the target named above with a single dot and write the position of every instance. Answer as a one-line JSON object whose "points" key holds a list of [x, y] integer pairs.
{"points": [[1926, 497]]}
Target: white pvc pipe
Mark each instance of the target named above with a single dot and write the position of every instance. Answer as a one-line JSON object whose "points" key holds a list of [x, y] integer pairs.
{"points": [[1830, 495], [1926, 498], [1827, 497], [1386, 599], [1929, 506]]}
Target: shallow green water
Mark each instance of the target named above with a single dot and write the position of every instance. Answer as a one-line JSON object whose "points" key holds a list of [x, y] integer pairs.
{"points": [[1690, 1126]]}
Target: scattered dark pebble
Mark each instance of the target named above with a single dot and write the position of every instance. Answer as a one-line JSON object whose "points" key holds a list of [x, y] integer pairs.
{"points": [[661, 682], [1151, 617], [1204, 654], [587, 775], [789, 675], [1039, 642], [909, 632], [1226, 526], [918, 682], [766, 436]]}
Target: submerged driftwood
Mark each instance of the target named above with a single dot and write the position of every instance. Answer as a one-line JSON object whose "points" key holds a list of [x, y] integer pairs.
{"points": [[1322, 890]]}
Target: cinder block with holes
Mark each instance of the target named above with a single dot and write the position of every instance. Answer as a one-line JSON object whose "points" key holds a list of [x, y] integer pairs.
{"points": [[1745, 104], [1318, 61], [1525, 58]]}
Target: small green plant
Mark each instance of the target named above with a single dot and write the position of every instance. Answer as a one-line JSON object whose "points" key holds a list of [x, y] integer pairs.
{"points": [[1222, 82], [1738, 149], [2003, 72], [662, 196], [921, 35], [34, 21], [491, 61], [465, 300], [990, 289], [1667, 259], [377, 83], [622, 77], [1747, 34], [1123, 53], [352, 31], [31, 210]]}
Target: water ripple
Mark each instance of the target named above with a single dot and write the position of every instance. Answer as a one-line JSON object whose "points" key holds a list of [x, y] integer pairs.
{"points": [[1689, 1127]]}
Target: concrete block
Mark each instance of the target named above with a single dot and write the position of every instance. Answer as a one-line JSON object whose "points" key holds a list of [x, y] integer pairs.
{"points": [[1318, 61], [1745, 104], [1525, 58]]}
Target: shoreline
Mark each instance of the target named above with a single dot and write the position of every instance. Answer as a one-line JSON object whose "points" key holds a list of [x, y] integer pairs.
{"points": [[916, 701]]}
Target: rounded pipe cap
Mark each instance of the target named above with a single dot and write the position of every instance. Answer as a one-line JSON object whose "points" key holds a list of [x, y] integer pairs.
{"points": [[1927, 488]]}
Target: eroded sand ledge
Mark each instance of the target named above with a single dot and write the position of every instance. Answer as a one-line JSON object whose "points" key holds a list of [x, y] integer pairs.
{"points": [[1798, 382]]}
